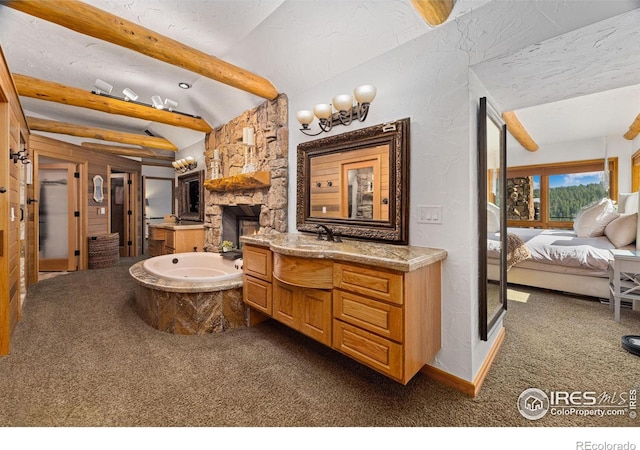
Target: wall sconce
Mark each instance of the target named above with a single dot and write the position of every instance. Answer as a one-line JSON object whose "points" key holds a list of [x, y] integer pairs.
{"points": [[345, 111], [129, 95], [21, 156], [185, 164]]}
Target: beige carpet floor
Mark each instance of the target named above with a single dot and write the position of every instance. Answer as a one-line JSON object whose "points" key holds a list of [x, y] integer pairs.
{"points": [[82, 357]]}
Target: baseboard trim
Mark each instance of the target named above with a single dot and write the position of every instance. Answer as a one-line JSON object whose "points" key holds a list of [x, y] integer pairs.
{"points": [[467, 387]]}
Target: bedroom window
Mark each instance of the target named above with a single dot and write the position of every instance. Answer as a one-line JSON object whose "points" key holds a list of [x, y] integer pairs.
{"points": [[550, 195]]}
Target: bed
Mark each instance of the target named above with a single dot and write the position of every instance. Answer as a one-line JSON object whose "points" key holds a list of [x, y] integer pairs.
{"points": [[574, 261]]}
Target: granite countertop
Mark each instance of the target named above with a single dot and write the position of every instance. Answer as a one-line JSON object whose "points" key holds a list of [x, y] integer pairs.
{"points": [[404, 258], [177, 226]]}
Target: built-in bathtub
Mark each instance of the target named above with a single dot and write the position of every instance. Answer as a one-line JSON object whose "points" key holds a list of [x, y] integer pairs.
{"points": [[190, 293]]}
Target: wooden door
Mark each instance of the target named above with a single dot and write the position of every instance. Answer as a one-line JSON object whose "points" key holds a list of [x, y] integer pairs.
{"points": [[58, 217]]}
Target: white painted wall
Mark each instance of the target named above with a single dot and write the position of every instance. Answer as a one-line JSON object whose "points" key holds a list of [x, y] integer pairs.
{"points": [[427, 79], [576, 151]]}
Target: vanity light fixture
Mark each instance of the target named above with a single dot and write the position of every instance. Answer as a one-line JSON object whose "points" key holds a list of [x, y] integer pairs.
{"points": [[345, 110], [185, 164]]}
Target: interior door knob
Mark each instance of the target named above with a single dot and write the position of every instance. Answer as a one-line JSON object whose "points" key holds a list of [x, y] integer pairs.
{"points": [[3, 189], [31, 200]]}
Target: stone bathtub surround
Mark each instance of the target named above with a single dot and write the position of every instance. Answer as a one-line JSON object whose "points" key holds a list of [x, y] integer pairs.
{"points": [[183, 307], [269, 121], [404, 258]]}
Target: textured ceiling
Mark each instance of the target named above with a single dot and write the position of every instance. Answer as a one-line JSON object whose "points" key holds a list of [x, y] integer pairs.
{"points": [[296, 44]]}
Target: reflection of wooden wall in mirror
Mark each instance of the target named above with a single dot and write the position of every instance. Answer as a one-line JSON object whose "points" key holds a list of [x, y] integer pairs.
{"points": [[338, 179], [191, 196], [357, 183]]}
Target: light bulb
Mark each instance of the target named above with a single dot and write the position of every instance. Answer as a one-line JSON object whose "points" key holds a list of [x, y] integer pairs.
{"points": [[343, 102], [365, 93], [304, 116], [323, 111]]}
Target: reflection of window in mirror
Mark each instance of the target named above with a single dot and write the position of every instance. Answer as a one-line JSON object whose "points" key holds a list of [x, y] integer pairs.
{"points": [[194, 196], [98, 194]]}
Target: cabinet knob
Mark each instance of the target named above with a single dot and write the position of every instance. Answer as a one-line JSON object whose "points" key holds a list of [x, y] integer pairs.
{"points": [[3, 189]]}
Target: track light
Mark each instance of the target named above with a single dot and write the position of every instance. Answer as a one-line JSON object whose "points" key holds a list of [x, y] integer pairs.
{"points": [[129, 95], [102, 86], [157, 102], [170, 104]]}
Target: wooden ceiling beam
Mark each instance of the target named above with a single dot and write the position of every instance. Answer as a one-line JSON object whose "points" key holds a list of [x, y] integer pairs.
{"points": [[94, 22], [125, 151], [59, 93], [517, 130], [634, 129], [434, 12], [51, 126]]}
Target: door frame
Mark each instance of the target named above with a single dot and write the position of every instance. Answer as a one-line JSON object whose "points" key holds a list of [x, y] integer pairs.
{"points": [[134, 204]]}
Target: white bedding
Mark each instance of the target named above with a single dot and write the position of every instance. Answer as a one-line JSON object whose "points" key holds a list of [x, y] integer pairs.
{"points": [[559, 247]]}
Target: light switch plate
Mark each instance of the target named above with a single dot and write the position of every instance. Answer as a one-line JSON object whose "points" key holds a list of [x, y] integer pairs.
{"points": [[429, 214]]}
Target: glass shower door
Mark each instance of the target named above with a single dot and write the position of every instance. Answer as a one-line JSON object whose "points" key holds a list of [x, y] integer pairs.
{"points": [[57, 221]]}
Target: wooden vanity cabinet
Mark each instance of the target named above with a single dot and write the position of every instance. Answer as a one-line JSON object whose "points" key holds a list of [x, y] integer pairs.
{"points": [[163, 241], [385, 319]]}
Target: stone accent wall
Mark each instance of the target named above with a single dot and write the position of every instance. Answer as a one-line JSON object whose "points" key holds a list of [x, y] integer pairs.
{"points": [[269, 121], [520, 205]]}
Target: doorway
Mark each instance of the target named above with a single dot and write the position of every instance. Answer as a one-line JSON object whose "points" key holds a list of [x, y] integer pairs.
{"points": [[121, 208], [58, 217]]}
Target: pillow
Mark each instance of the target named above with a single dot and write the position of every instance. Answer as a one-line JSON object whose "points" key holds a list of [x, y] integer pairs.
{"points": [[622, 231], [493, 218], [628, 203], [592, 220]]}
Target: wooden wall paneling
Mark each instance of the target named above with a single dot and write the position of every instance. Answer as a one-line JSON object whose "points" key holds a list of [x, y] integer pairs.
{"points": [[90, 163]]}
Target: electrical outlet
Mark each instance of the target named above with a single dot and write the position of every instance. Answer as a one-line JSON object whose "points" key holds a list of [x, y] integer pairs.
{"points": [[429, 214]]}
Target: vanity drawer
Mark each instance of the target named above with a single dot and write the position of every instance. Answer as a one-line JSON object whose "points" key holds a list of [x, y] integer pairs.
{"points": [[257, 262], [377, 317], [374, 351], [257, 294], [156, 234], [376, 283]]}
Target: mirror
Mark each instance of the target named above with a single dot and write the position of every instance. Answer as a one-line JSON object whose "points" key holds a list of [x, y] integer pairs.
{"points": [[98, 184], [357, 183], [492, 223], [191, 196]]}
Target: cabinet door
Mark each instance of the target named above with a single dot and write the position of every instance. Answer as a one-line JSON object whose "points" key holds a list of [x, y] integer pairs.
{"points": [[284, 303], [257, 262], [315, 314], [257, 294]]}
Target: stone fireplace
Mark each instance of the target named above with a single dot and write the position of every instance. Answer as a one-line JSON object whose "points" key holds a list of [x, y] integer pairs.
{"points": [[267, 202]]}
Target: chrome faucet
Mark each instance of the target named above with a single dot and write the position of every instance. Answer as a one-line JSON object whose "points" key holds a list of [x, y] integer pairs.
{"points": [[178, 219], [331, 236]]}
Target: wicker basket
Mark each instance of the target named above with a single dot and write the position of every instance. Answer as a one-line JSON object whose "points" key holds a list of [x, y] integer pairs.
{"points": [[104, 251]]}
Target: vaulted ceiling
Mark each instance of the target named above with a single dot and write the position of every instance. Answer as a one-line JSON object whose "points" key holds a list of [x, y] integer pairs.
{"points": [[290, 45]]}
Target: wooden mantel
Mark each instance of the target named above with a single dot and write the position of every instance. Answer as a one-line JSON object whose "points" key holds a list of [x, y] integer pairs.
{"points": [[254, 180]]}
